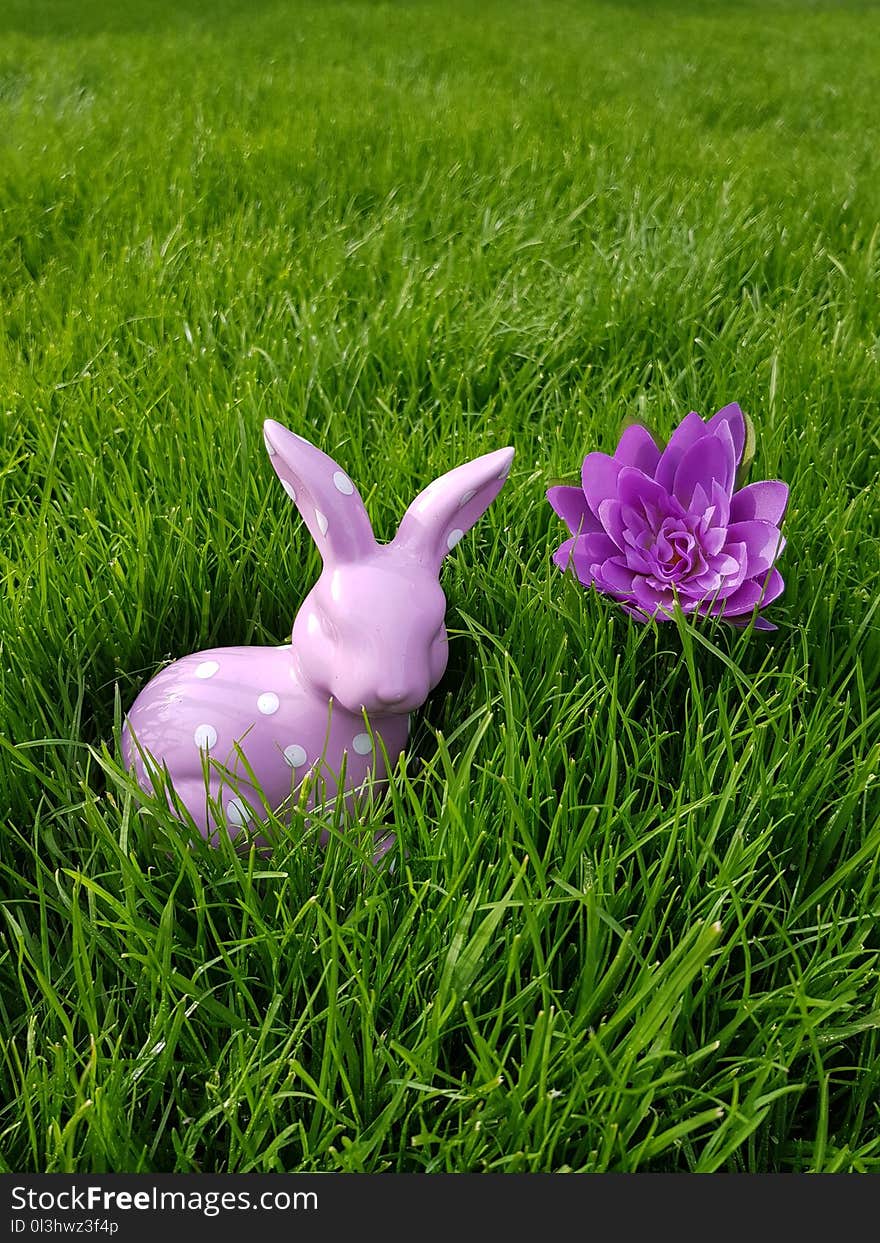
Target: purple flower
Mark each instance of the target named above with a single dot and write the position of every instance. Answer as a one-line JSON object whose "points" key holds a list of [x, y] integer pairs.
{"points": [[650, 527]]}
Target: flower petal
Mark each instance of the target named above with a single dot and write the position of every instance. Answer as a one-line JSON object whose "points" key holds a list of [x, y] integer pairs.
{"points": [[571, 506], [743, 600], [730, 561], [753, 591], [590, 550], [721, 505], [763, 544], [774, 585], [713, 541], [641, 562], [615, 577], [599, 478], [734, 555], [703, 585], [636, 491], [637, 448], [638, 615], [760, 623], [765, 500], [699, 500], [735, 420], [562, 556], [582, 552], [612, 522], [654, 601], [690, 429], [707, 461]]}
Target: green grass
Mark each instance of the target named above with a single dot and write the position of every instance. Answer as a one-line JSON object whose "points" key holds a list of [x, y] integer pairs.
{"points": [[635, 927]]}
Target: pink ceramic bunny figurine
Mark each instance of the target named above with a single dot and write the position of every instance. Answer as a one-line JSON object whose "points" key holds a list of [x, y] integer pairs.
{"points": [[368, 644]]}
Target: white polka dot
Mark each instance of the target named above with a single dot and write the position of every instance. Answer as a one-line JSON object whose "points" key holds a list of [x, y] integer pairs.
{"points": [[207, 669], [269, 446], [343, 484], [289, 489], [205, 737], [321, 521], [295, 755], [238, 812], [453, 537], [268, 703], [362, 743], [467, 496]]}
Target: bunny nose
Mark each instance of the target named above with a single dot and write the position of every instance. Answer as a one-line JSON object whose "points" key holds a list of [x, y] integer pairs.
{"points": [[391, 695]]}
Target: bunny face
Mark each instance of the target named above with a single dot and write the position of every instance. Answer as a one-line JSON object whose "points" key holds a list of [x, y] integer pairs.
{"points": [[371, 634]]}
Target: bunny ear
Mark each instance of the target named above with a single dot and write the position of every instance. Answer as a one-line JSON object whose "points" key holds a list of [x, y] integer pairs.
{"points": [[326, 498], [449, 507]]}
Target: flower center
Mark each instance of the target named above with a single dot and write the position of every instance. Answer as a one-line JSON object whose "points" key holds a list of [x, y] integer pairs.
{"points": [[674, 552]]}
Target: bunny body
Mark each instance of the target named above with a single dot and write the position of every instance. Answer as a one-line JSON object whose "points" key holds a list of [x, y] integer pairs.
{"points": [[263, 728], [238, 728]]}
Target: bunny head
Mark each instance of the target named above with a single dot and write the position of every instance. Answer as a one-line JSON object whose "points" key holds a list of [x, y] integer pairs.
{"points": [[370, 634]]}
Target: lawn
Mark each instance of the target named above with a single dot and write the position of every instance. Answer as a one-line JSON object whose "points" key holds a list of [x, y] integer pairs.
{"points": [[633, 924]]}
